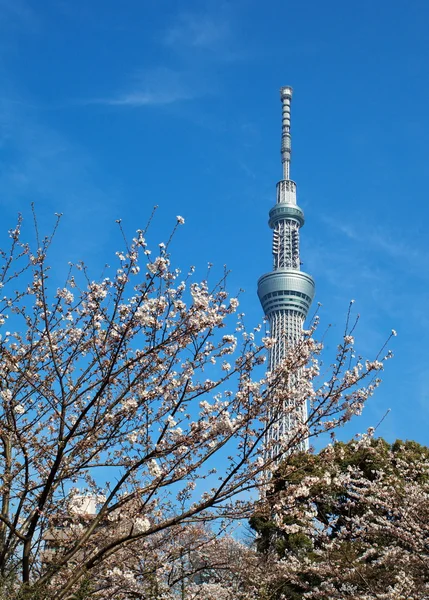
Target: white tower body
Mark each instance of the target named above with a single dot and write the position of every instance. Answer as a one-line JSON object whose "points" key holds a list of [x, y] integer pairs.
{"points": [[286, 292]]}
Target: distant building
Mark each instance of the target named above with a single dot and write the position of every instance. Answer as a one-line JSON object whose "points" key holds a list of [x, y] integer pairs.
{"points": [[65, 528], [286, 292]]}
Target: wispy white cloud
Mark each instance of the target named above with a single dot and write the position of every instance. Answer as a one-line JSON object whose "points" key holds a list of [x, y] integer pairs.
{"points": [[207, 35], [159, 86], [381, 240], [382, 268], [200, 41], [204, 31], [137, 98]]}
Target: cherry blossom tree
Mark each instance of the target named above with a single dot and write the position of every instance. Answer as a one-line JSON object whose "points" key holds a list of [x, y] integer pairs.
{"points": [[350, 522], [180, 563], [133, 405]]}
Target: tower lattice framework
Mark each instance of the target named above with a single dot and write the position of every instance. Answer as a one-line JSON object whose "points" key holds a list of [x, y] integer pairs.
{"points": [[286, 292]]}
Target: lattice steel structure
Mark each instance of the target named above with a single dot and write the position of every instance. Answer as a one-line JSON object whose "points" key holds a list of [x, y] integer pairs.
{"points": [[286, 292]]}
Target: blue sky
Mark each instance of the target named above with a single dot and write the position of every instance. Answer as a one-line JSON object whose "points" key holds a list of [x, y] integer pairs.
{"points": [[108, 107]]}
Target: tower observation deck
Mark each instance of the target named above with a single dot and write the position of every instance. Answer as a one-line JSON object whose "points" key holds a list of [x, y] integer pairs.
{"points": [[286, 292]]}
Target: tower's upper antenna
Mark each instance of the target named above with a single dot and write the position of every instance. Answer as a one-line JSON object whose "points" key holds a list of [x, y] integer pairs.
{"points": [[286, 96]]}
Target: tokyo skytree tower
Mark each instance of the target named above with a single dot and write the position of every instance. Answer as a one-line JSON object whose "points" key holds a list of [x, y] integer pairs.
{"points": [[286, 292]]}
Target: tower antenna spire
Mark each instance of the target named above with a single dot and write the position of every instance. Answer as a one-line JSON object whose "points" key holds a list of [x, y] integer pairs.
{"points": [[286, 97]]}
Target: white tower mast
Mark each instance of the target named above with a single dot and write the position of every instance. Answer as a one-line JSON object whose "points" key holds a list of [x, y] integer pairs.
{"points": [[286, 292]]}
